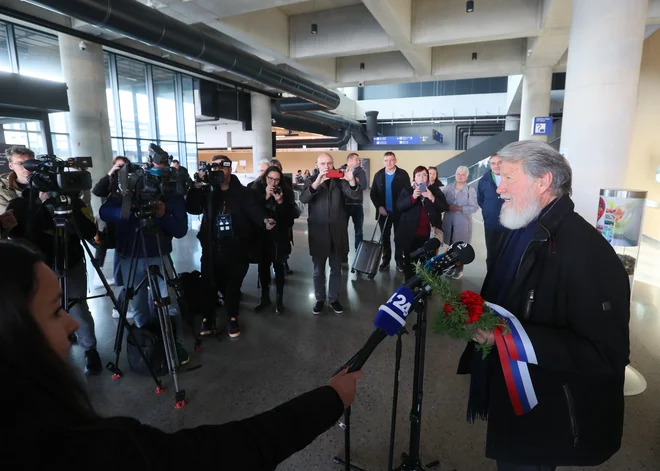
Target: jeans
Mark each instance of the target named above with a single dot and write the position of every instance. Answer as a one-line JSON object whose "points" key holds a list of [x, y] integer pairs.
{"points": [[229, 270], [387, 235], [335, 276], [77, 289], [142, 302], [356, 212], [503, 466]]}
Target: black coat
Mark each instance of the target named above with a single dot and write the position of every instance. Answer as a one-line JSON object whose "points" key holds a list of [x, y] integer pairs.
{"points": [[377, 194], [572, 295], [409, 214], [327, 220], [247, 215], [489, 202], [258, 443], [276, 243]]}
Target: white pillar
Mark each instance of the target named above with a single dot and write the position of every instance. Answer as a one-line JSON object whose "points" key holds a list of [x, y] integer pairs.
{"points": [[262, 129], [537, 83], [604, 58], [511, 123], [351, 92], [89, 127]]}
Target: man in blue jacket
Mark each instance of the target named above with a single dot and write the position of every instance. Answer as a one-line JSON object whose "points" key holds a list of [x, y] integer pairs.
{"points": [[491, 204], [171, 218]]}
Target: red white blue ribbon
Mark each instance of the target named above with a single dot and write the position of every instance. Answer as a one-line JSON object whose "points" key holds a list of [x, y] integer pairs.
{"points": [[516, 351]]}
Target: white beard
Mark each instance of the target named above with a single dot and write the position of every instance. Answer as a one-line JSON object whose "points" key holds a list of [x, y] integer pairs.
{"points": [[517, 219]]}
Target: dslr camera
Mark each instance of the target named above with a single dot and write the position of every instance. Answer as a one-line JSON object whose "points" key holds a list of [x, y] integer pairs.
{"points": [[142, 186], [60, 176]]}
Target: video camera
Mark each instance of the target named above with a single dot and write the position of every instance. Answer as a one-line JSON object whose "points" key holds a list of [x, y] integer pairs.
{"points": [[213, 174], [141, 186], [60, 176]]}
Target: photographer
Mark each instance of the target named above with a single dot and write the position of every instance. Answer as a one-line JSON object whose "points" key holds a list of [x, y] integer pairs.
{"points": [[276, 196], [53, 424], [234, 215], [169, 215], [34, 216]]}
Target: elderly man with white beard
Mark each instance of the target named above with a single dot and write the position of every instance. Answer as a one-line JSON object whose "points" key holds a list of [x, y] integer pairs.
{"points": [[571, 294]]}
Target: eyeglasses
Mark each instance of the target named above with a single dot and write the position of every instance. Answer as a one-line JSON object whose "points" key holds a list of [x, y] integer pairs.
{"points": [[274, 180]]}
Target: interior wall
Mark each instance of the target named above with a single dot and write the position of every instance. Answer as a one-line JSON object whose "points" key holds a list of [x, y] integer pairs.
{"points": [[292, 161], [644, 157]]}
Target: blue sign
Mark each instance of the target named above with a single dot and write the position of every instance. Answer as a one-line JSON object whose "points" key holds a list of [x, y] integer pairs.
{"points": [[397, 140], [542, 126]]}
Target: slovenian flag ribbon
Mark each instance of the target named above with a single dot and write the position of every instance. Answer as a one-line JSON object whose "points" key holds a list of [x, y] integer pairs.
{"points": [[516, 351]]}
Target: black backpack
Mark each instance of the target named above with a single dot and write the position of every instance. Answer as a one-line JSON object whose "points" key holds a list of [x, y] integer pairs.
{"points": [[149, 339]]}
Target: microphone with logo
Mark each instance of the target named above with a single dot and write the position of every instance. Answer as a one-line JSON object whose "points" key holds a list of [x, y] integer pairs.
{"points": [[392, 315]]}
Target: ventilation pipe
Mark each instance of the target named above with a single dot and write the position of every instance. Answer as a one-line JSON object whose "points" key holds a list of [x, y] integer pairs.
{"points": [[149, 25], [372, 124]]}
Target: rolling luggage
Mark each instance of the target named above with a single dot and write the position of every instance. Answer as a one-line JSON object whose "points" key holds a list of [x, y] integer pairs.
{"points": [[369, 253]]}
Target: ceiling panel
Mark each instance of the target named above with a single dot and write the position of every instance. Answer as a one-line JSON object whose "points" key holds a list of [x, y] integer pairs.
{"points": [[316, 5]]}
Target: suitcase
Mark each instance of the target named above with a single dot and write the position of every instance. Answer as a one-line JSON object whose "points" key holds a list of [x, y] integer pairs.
{"points": [[368, 254]]}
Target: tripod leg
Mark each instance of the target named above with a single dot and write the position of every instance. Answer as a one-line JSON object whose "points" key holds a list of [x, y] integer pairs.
{"points": [[395, 398]]}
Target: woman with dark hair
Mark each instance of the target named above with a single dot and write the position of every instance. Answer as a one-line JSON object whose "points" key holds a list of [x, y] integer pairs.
{"points": [[51, 423], [434, 181], [275, 195], [421, 207]]}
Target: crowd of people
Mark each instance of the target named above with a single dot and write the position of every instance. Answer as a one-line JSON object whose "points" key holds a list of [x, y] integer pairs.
{"points": [[545, 263]]}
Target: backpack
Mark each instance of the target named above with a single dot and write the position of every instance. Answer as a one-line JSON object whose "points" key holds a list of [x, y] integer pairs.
{"points": [[149, 339], [191, 285]]}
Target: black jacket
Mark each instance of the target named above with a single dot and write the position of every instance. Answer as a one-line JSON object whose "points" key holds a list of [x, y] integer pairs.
{"points": [[247, 215], [258, 443], [105, 186], [489, 202], [361, 176], [401, 181], [409, 214], [572, 295], [276, 243]]}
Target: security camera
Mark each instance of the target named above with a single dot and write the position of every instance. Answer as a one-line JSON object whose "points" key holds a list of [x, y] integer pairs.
{"points": [[360, 84], [82, 46]]}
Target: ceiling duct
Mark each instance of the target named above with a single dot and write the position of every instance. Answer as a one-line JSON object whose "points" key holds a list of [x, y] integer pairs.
{"points": [[149, 25]]}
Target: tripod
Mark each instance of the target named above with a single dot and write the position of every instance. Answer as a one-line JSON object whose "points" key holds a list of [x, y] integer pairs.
{"points": [[62, 217], [161, 304], [411, 460]]}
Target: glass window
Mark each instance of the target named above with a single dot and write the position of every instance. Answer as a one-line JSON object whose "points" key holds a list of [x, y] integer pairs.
{"points": [[191, 158], [116, 149], [16, 138], [5, 63], [165, 96], [133, 99], [38, 54], [109, 96], [189, 111], [58, 123], [61, 145]]}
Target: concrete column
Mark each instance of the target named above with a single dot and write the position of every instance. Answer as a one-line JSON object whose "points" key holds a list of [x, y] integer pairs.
{"points": [[352, 145], [351, 92], [262, 129], [512, 123], [89, 126], [604, 58], [537, 83]]}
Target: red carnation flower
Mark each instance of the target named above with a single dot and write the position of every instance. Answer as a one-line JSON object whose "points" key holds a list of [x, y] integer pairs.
{"points": [[448, 309]]}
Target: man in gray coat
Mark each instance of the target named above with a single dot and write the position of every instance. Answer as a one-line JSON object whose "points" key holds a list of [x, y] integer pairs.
{"points": [[328, 226]]}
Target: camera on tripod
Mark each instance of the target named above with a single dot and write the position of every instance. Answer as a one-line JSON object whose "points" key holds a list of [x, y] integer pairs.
{"points": [[142, 186], [59, 176]]}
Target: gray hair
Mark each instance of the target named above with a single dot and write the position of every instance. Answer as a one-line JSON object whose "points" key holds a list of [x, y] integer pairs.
{"points": [[463, 168], [538, 158], [264, 161]]}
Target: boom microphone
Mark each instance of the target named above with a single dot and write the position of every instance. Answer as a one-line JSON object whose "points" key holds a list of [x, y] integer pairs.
{"points": [[429, 247], [392, 315]]}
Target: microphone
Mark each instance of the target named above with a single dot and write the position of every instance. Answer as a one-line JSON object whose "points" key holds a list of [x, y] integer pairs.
{"points": [[392, 315], [429, 247]]}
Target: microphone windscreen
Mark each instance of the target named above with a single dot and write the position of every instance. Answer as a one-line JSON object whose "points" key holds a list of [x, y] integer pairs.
{"points": [[464, 251], [431, 245], [392, 315]]}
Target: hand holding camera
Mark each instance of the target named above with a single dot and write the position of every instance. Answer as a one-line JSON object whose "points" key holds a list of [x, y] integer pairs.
{"points": [[322, 177], [270, 223], [277, 194]]}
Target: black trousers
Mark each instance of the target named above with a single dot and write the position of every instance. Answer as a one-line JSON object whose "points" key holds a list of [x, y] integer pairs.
{"points": [[408, 268], [493, 239], [229, 270], [264, 275], [387, 235]]}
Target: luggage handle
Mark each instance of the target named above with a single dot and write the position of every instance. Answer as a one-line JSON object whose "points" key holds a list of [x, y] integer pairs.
{"points": [[380, 241]]}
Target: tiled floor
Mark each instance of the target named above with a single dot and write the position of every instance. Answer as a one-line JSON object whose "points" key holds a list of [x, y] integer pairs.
{"points": [[277, 358]]}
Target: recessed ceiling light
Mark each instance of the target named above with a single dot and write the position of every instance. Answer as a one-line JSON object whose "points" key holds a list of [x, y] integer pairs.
{"points": [[469, 6], [315, 28], [474, 56]]}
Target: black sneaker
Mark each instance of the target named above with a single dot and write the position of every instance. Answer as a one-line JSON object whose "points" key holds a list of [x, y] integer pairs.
{"points": [[207, 327], [92, 362], [399, 266], [232, 328], [336, 305], [384, 266], [182, 354], [318, 307]]}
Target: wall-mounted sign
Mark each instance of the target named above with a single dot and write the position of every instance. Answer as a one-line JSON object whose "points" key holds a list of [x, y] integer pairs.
{"points": [[397, 140], [542, 126]]}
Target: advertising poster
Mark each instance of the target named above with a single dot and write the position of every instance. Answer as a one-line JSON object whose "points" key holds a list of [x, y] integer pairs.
{"points": [[620, 218]]}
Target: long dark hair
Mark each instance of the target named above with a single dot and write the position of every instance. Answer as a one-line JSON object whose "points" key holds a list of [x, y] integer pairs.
{"points": [[39, 387], [287, 191]]}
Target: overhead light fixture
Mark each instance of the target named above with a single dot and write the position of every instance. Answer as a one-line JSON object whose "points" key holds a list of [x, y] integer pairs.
{"points": [[361, 65], [469, 6], [474, 56], [315, 28]]}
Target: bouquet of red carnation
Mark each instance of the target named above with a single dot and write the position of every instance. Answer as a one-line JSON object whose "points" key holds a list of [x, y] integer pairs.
{"points": [[463, 313]]}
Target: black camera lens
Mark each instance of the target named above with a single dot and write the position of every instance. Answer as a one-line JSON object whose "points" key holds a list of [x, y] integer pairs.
{"points": [[32, 165]]}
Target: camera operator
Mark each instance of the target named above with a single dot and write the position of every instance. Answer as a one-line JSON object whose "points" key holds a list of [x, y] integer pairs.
{"points": [[276, 196], [12, 183], [234, 214], [33, 211], [170, 216]]}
